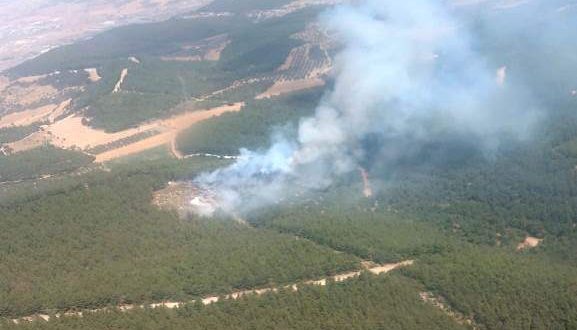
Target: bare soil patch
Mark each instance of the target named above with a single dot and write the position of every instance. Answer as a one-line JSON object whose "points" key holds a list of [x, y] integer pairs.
{"points": [[529, 243], [93, 74], [172, 126], [441, 303], [213, 54], [289, 86], [28, 117], [30, 142], [72, 132], [123, 75]]}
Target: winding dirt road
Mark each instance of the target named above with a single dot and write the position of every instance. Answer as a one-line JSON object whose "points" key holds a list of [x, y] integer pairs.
{"points": [[376, 270]]}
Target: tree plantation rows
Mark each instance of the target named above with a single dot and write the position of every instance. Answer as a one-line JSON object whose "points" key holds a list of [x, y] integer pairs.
{"points": [[153, 85]]}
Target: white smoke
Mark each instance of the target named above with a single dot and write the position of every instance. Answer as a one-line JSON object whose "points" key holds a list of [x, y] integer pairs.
{"points": [[407, 72]]}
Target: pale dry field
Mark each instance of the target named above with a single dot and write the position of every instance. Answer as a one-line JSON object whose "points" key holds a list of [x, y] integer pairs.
{"points": [[46, 113], [289, 86]]}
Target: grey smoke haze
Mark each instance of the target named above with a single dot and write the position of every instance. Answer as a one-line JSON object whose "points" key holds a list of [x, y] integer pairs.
{"points": [[408, 73]]}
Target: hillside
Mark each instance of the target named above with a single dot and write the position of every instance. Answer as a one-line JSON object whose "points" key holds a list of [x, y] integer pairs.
{"points": [[236, 166]]}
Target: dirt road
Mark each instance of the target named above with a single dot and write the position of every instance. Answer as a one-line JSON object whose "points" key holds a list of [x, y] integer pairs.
{"points": [[376, 270]]}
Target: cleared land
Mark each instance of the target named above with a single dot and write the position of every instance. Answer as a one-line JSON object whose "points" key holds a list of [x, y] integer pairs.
{"points": [[73, 132], [47, 113]]}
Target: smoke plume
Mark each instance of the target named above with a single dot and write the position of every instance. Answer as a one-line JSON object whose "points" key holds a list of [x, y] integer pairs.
{"points": [[408, 74]]}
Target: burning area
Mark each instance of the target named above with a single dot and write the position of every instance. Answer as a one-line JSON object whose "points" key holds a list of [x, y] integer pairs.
{"points": [[408, 77], [187, 198]]}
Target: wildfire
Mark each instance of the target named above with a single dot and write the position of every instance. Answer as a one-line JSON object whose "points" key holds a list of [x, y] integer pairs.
{"points": [[203, 202]]}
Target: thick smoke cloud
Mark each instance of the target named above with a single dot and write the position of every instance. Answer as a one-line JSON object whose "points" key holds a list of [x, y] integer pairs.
{"points": [[408, 74]]}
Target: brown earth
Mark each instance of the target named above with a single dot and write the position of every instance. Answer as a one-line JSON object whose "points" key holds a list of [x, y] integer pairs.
{"points": [[28, 117], [441, 303], [47, 113], [123, 75], [289, 86], [214, 53], [529, 243], [93, 74]]}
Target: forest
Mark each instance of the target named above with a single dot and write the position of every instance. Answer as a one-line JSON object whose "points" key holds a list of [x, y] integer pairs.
{"points": [[369, 302], [75, 236], [250, 128], [101, 242], [15, 133], [42, 161], [502, 290], [156, 88]]}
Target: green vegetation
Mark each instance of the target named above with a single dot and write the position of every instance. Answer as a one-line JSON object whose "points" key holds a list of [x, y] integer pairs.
{"points": [[263, 47], [12, 134], [250, 128], [120, 111], [122, 142], [501, 290], [154, 87], [382, 237], [101, 242], [78, 241], [386, 302], [39, 162]]}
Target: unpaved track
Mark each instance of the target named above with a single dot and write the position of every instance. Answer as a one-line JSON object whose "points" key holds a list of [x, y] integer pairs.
{"points": [[73, 133], [171, 128], [441, 303], [118, 85], [376, 270]]}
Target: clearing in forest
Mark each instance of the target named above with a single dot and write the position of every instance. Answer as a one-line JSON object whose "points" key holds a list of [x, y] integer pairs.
{"points": [[123, 75], [93, 74], [529, 243]]}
